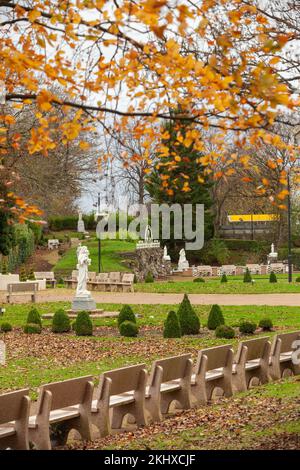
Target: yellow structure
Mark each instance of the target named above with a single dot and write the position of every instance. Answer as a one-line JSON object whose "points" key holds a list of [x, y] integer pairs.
{"points": [[253, 217]]}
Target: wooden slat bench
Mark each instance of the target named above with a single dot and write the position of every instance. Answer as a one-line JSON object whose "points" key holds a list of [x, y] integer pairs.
{"points": [[14, 416], [251, 361], [123, 392], [48, 275], [68, 402], [22, 288], [213, 370], [281, 363], [170, 380]]}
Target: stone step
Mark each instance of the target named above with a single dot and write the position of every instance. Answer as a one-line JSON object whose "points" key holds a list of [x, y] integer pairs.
{"points": [[93, 314]]}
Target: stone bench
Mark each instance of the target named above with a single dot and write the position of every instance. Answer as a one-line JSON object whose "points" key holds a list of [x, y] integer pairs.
{"points": [[122, 391], [213, 370], [22, 288], [48, 276], [69, 403], [281, 363], [170, 380], [113, 281], [72, 281], [14, 416], [251, 361]]}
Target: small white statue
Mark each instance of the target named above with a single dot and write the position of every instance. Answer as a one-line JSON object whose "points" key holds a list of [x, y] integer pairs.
{"points": [[83, 262], [148, 234], [80, 223], [166, 257], [182, 262]]}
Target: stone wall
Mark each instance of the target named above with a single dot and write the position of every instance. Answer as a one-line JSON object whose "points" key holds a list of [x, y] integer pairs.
{"points": [[151, 260]]}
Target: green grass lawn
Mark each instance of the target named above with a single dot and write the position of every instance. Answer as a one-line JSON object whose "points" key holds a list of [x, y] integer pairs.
{"points": [[234, 285], [111, 260]]}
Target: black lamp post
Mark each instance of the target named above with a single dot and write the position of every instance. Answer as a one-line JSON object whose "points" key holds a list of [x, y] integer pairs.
{"points": [[290, 256]]}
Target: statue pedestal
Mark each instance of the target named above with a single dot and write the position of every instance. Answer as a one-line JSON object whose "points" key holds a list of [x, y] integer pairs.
{"points": [[84, 302], [183, 266]]}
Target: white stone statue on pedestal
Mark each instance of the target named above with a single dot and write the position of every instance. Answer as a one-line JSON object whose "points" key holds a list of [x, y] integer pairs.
{"points": [[182, 262], [83, 299], [273, 255], [166, 257], [148, 234], [80, 223]]}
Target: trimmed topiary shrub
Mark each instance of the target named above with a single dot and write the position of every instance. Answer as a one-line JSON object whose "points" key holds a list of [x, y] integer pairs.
{"points": [[198, 279], [34, 317], [247, 276], [149, 277], [266, 324], [272, 277], [30, 275], [224, 278], [223, 331], [297, 279], [247, 327], [4, 267], [129, 329], [215, 317], [83, 324], [32, 328], [126, 314], [22, 274], [61, 322], [172, 328], [188, 319], [5, 327]]}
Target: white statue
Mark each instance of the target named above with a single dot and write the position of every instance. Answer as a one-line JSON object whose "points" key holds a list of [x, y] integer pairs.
{"points": [[148, 234], [80, 223], [272, 248], [166, 256], [83, 262], [182, 262]]}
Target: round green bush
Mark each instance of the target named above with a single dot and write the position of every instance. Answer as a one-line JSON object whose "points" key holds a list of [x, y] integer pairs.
{"points": [[188, 319], [172, 328], [32, 328], [223, 331], [266, 324], [198, 279], [149, 278], [126, 314], [215, 317], [272, 277], [297, 279], [6, 327], [60, 322], [129, 329], [247, 327], [34, 317], [224, 278], [83, 324], [247, 276]]}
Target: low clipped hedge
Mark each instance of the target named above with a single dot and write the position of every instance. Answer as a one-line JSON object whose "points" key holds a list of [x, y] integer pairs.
{"points": [[6, 327], [224, 331], [172, 328], [247, 327], [266, 324], [128, 329], [198, 279]]}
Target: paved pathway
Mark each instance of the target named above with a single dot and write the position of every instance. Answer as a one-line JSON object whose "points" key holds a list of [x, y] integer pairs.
{"points": [[53, 295]]}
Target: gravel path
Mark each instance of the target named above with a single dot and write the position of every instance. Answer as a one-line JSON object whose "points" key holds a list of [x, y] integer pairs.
{"points": [[53, 295]]}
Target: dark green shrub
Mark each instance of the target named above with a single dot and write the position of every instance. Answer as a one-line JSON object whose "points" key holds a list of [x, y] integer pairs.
{"points": [[247, 327], [198, 279], [22, 274], [30, 275], [149, 277], [172, 327], [60, 322], [223, 331], [215, 317], [129, 329], [188, 319], [272, 277], [266, 324], [5, 327], [83, 324], [34, 317], [247, 276], [297, 279], [126, 314], [224, 278], [4, 267], [32, 328]]}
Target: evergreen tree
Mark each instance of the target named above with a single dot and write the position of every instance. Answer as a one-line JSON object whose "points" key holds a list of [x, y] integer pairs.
{"points": [[172, 328], [215, 317], [247, 276], [179, 177], [188, 319]]}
